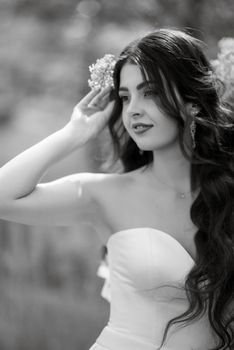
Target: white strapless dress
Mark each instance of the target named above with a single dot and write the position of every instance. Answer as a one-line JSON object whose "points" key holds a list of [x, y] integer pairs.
{"points": [[147, 269]]}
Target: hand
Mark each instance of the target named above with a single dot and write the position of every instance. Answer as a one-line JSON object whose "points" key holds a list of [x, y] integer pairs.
{"points": [[91, 115]]}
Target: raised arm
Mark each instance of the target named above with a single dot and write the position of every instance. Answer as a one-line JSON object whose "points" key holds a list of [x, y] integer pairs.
{"points": [[60, 202]]}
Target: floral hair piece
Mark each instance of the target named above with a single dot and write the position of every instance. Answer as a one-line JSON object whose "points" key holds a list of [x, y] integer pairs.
{"points": [[101, 72], [224, 65]]}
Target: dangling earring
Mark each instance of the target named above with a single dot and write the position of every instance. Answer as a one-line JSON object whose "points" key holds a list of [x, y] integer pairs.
{"points": [[193, 127], [141, 152]]}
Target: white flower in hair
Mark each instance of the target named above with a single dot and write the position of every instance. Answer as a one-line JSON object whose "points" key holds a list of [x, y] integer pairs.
{"points": [[101, 72], [224, 65]]}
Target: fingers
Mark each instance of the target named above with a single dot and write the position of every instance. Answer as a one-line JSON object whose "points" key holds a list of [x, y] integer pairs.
{"points": [[101, 97], [100, 119], [108, 110], [94, 96], [89, 97]]}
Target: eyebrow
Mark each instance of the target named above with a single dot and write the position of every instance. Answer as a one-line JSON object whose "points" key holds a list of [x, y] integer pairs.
{"points": [[139, 86]]}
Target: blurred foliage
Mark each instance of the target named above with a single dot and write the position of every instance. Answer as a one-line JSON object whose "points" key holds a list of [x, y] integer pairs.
{"points": [[50, 297], [34, 319]]}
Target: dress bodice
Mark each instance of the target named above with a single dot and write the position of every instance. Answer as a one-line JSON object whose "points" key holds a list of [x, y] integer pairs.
{"points": [[148, 268]]}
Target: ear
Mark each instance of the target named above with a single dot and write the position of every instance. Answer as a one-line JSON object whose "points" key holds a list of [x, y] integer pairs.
{"points": [[192, 108]]}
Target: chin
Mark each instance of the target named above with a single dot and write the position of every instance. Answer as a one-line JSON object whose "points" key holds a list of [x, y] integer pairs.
{"points": [[153, 146]]}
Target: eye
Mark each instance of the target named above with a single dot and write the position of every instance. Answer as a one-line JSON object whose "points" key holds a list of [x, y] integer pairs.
{"points": [[150, 93], [124, 98]]}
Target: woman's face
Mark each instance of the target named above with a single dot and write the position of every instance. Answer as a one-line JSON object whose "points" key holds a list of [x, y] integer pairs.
{"points": [[148, 126]]}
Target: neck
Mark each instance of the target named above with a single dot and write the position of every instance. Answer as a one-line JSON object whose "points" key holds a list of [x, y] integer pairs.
{"points": [[172, 169]]}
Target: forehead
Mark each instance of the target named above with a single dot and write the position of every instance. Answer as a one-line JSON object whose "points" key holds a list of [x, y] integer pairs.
{"points": [[131, 75]]}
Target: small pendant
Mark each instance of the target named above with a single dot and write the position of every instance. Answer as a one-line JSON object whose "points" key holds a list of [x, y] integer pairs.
{"points": [[182, 195]]}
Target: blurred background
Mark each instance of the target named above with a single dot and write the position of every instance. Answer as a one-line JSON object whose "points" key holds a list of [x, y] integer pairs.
{"points": [[49, 291]]}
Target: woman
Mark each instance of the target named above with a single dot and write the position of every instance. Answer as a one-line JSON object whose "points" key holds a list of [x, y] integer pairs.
{"points": [[167, 219]]}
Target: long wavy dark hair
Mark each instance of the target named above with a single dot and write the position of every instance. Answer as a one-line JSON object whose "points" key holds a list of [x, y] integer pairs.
{"points": [[175, 61]]}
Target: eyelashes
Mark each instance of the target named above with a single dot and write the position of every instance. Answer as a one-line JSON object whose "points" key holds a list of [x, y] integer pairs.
{"points": [[146, 93], [150, 93], [123, 98]]}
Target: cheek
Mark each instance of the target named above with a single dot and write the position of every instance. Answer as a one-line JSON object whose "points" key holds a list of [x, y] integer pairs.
{"points": [[171, 123], [125, 120], [169, 132]]}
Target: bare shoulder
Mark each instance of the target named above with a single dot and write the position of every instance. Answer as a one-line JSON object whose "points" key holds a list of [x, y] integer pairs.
{"points": [[100, 186], [90, 193], [103, 187], [107, 197], [112, 192]]}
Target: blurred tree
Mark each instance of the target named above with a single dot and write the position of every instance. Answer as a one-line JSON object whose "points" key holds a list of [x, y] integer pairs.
{"points": [[51, 10]]}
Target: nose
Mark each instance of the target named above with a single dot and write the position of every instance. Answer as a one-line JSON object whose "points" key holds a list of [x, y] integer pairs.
{"points": [[134, 108]]}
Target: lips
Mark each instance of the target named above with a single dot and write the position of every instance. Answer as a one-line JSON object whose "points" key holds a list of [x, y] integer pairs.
{"points": [[141, 127]]}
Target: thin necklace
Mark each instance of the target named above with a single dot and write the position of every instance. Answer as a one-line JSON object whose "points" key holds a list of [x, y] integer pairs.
{"points": [[180, 194]]}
